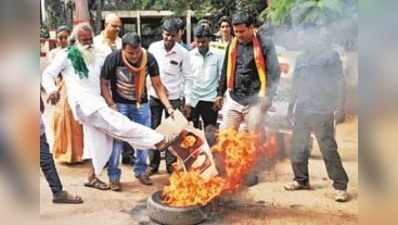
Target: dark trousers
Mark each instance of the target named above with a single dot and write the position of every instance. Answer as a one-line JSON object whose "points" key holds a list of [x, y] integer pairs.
{"points": [[322, 125], [157, 109], [205, 111], [48, 167]]}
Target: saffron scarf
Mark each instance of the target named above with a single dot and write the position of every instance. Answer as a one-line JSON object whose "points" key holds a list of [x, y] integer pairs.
{"points": [[259, 60], [139, 75], [77, 60]]}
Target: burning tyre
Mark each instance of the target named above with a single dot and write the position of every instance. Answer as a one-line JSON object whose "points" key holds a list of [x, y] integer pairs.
{"points": [[167, 215]]}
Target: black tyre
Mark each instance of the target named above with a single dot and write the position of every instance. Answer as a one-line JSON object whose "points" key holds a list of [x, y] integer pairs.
{"points": [[167, 215]]}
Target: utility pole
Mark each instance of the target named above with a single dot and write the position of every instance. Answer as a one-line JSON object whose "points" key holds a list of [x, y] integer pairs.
{"points": [[81, 12], [98, 18]]}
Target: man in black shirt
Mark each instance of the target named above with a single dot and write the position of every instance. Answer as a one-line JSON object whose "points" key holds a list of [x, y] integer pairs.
{"points": [[123, 85], [250, 90], [317, 102]]}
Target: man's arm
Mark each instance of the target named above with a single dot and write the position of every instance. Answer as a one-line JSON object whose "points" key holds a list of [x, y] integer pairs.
{"points": [[294, 89], [272, 67], [160, 89], [340, 101], [50, 74], [187, 73], [222, 84], [106, 93], [107, 71], [161, 93], [186, 69]]}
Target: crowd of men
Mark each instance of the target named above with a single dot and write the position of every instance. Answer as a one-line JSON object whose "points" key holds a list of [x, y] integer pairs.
{"points": [[119, 92]]}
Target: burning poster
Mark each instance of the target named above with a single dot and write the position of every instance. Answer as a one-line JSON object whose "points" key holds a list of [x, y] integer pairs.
{"points": [[191, 148]]}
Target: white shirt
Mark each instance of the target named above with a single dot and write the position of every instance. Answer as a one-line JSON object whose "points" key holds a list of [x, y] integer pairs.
{"points": [[206, 74], [51, 55], [175, 70], [85, 92], [101, 43]]}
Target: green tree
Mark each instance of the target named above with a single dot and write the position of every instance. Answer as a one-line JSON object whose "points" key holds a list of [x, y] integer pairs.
{"points": [[202, 8], [55, 14], [294, 12]]}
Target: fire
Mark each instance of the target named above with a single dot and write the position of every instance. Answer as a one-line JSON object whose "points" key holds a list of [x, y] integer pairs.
{"points": [[271, 146], [237, 153], [189, 188]]}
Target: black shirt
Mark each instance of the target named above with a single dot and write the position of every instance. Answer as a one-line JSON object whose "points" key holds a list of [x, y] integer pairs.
{"points": [[318, 81], [122, 80], [247, 83]]}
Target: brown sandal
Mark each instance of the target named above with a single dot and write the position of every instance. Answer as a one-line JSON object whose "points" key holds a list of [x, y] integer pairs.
{"points": [[66, 198], [97, 184]]}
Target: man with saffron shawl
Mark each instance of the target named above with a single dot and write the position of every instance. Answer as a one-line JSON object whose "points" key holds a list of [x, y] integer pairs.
{"points": [[123, 79], [81, 65], [250, 74]]}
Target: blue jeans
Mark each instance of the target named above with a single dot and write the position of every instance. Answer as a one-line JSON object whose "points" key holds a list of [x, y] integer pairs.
{"points": [[47, 165], [142, 116]]}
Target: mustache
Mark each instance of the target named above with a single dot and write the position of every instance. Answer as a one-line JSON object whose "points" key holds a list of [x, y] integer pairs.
{"points": [[86, 46]]}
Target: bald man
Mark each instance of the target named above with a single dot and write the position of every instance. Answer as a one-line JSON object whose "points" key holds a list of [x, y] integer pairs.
{"points": [[108, 40]]}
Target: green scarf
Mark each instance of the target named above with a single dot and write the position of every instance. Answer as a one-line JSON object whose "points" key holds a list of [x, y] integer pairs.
{"points": [[75, 56]]}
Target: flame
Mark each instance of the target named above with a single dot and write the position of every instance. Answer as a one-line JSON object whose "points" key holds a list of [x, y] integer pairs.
{"points": [[271, 146], [237, 151], [189, 188]]}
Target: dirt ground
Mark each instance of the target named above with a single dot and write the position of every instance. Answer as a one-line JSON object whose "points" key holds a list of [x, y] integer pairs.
{"points": [[265, 203]]}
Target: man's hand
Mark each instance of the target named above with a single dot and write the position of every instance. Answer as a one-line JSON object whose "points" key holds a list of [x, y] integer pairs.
{"points": [[266, 104], [187, 111], [339, 116], [290, 118], [113, 106], [284, 67], [53, 98], [171, 111], [218, 103]]}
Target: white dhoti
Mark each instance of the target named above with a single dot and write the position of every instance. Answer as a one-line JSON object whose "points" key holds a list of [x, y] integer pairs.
{"points": [[105, 124], [100, 123]]}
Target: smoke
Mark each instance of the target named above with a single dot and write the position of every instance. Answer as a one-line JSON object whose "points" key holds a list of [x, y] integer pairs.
{"points": [[19, 95], [378, 111], [371, 87], [315, 31], [320, 46]]}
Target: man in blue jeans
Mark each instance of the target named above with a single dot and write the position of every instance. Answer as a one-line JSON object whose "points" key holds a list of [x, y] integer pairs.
{"points": [[123, 85]]}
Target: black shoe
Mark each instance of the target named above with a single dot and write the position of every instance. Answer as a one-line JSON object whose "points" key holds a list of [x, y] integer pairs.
{"points": [[251, 180], [115, 186], [127, 160], [144, 179], [169, 169], [152, 171]]}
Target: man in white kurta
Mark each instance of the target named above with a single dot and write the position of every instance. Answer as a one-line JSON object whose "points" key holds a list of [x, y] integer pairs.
{"points": [[100, 122], [108, 40]]}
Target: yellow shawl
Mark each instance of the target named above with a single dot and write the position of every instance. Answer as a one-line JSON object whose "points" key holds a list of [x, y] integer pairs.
{"points": [[259, 59]]}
